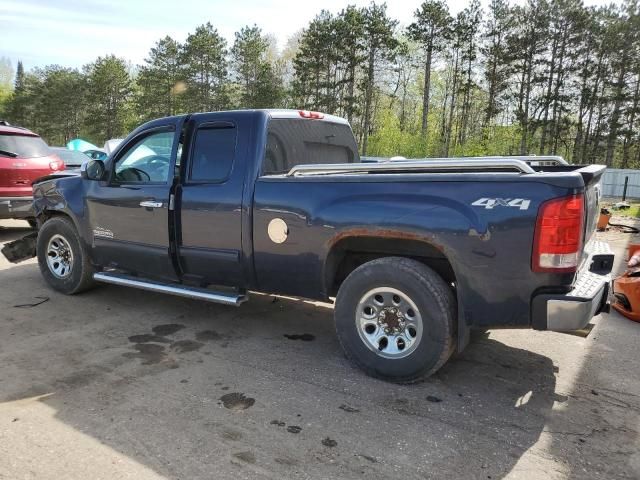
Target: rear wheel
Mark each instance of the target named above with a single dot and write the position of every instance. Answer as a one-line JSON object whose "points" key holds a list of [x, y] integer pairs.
{"points": [[63, 261], [395, 319]]}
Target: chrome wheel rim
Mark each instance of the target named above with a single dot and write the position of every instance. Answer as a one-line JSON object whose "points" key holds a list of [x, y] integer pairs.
{"points": [[59, 257], [389, 322]]}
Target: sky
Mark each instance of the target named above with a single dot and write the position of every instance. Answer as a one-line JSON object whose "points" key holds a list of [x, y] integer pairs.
{"points": [[75, 32]]}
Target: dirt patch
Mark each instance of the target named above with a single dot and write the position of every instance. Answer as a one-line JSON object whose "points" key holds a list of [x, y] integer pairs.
{"points": [[231, 435], [248, 457], [329, 442], [237, 401], [348, 409]]}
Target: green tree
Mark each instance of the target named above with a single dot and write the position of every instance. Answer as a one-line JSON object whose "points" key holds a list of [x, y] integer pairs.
{"points": [[431, 29], [380, 44], [6, 87], [314, 84], [61, 107], [496, 54], [109, 95], [160, 81], [259, 84], [21, 107], [205, 69]]}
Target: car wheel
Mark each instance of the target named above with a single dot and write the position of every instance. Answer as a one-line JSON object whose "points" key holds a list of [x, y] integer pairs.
{"points": [[395, 319], [63, 261]]}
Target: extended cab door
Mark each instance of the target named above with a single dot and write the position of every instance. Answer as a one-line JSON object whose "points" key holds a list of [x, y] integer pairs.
{"points": [[129, 212], [209, 197]]}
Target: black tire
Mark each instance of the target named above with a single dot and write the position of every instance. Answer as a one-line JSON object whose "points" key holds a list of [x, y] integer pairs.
{"points": [[81, 275], [436, 306]]}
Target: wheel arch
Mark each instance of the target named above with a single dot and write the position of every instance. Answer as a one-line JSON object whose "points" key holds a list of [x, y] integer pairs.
{"points": [[348, 252]]}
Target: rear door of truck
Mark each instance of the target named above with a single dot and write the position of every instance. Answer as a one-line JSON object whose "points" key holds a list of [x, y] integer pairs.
{"points": [[209, 199]]}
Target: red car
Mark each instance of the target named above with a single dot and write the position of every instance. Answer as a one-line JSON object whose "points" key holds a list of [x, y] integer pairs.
{"points": [[24, 156]]}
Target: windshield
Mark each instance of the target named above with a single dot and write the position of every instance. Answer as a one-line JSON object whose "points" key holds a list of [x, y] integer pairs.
{"points": [[70, 157], [25, 146]]}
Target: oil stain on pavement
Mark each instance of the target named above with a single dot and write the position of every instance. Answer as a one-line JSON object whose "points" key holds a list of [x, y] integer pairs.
{"points": [[305, 337], [149, 353], [237, 401]]}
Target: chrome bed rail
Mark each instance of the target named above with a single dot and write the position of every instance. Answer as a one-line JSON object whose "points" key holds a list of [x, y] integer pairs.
{"points": [[499, 164]]}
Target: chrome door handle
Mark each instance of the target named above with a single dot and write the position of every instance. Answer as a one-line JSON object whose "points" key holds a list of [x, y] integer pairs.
{"points": [[151, 204]]}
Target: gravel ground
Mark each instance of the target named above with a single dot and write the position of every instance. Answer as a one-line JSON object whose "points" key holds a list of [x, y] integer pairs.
{"points": [[118, 383]]}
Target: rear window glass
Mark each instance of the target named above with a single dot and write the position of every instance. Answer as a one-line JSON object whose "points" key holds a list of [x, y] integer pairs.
{"points": [[24, 146], [292, 142], [213, 152]]}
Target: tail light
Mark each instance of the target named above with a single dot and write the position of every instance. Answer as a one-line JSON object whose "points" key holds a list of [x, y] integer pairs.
{"points": [[559, 234], [56, 165], [311, 115]]}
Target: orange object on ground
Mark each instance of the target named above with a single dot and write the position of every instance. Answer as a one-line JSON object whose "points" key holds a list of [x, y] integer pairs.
{"points": [[633, 249], [626, 290], [603, 221]]}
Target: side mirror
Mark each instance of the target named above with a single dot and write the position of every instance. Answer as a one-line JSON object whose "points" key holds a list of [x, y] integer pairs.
{"points": [[93, 170]]}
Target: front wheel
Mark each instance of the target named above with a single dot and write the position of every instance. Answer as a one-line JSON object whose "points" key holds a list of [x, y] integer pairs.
{"points": [[395, 318], [63, 262]]}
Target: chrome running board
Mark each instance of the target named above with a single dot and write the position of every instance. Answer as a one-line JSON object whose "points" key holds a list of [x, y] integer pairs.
{"points": [[171, 289]]}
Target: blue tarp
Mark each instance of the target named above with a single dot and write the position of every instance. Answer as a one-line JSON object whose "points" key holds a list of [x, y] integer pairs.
{"points": [[81, 145]]}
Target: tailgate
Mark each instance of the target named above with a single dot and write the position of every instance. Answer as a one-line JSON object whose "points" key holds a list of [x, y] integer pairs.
{"points": [[591, 174], [17, 174]]}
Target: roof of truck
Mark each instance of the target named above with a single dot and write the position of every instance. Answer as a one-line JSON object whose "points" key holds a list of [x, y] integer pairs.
{"points": [[290, 113]]}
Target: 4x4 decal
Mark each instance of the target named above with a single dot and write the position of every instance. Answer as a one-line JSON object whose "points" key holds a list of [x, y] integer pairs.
{"points": [[489, 203]]}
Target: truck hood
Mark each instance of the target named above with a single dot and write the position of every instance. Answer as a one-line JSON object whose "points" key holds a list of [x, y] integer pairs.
{"points": [[57, 175]]}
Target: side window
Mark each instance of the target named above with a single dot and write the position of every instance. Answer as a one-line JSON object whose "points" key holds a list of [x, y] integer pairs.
{"points": [[213, 153], [147, 161]]}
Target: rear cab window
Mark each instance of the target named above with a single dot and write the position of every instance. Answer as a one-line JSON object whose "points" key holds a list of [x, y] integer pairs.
{"points": [[292, 142], [24, 146]]}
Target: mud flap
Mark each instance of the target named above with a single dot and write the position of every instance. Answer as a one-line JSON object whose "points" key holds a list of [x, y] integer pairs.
{"points": [[22, 249]]}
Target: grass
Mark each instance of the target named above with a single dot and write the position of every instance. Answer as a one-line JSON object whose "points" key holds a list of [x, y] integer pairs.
{"points": [[633, 211]]}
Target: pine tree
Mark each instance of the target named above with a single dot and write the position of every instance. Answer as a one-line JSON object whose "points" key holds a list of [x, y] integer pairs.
{"points": [[109, 93], [380, 44], [19, 81], [496, 56], [259, 84], [161, 81], [205, 70], [432, 29]]}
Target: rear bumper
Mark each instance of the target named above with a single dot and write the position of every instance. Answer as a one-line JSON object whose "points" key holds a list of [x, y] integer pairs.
{"points": [[588, 297], [16, 207]]}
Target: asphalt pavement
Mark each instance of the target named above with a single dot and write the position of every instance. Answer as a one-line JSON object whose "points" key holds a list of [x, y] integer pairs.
{"points": [[118, 383]]}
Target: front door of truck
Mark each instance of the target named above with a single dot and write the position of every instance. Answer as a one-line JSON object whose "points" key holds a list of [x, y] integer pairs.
{"points": [[210, 199], [129, 212]]}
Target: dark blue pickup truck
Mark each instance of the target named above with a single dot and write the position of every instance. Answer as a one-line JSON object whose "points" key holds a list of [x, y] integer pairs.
{"points": [[415, 253]]}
